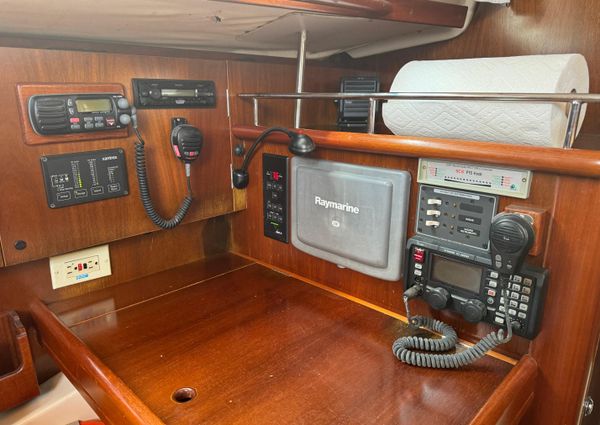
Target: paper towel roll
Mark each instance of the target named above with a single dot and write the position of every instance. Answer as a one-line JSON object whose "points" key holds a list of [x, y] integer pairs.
{"points": [[505, 122]]}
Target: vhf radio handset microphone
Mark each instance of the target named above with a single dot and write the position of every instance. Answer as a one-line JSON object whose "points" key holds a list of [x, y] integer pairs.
{"points": [[186, 142], [511, 237]]}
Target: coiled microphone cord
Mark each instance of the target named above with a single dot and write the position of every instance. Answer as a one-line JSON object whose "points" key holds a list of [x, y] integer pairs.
{"points": [[140, 168], [403, 348]]}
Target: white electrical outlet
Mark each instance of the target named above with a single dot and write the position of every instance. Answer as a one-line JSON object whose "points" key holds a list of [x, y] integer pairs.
{"points": [[80, 266]]}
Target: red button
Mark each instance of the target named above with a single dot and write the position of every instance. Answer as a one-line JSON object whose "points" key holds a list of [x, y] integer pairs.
{"points": [[79, 266], [419, 255], [74, 120], [276, 175]]}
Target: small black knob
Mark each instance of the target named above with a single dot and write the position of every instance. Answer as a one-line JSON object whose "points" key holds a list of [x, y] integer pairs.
{"points": [[239, 150], [155, 94], [20, 245], [474, 310], [437, 297]]}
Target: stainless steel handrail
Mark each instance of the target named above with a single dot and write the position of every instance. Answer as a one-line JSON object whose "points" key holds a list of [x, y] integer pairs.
{"points": [[494, 97], [575, 100]]}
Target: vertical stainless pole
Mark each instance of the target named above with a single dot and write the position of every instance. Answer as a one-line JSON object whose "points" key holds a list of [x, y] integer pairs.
{"points": [[572, 124], [255, 103], [300, 77], [371, 120]]}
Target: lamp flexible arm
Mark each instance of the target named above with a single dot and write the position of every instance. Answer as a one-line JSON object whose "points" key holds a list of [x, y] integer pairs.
{"points": [[257, 142]]}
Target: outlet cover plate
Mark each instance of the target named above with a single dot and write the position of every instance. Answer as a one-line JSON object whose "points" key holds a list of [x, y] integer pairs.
{"points": [[80, 266]]}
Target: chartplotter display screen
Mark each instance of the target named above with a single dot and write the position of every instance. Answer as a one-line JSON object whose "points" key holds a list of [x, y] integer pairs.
{"points": [[351, 215]]}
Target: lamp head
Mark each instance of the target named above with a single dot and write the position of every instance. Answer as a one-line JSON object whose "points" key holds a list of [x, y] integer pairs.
{"points": [[300, 144]]}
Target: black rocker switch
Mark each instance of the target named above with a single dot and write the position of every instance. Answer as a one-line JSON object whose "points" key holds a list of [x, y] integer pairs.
{"points": [[275, 196]]}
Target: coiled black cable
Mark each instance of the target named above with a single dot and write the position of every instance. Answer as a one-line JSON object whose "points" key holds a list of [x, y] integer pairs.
{"points": [[140, 168], [403, 347]]}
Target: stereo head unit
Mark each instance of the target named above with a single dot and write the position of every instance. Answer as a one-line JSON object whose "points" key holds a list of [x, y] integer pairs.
{"points": [[169, 94]]}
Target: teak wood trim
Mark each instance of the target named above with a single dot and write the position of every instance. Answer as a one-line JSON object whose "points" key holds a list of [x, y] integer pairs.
{"points": [[575, 162], [19, 384], [30, 137], [412, 11], [110, 397], [510, 400]]}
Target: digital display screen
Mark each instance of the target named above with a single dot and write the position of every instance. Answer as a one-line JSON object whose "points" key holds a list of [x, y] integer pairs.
{"points": [[93, 105], [461, 275], [178, 92]]}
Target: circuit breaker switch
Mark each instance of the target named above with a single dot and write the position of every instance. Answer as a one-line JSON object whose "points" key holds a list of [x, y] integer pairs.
{"points": [[434, 201], [435, 213], [432, 223]]}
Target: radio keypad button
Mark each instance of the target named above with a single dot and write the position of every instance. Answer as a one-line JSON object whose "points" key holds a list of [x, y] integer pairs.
{"points": [[89, 125], [526, 290], [516, 278], [516, 287], [98, 118], [527, 281], [502, 309], [514, 295], [419, 255], [499, 320], [418, 266], [494, 275], [492, 284], [74, 120], [525, 298], [75, 127], [513, 303], [521, 315], [69, 102], [418, 273], [490, 300], [99, 125], [491, 292], [523, 307], [88, 119], [512, 312]]}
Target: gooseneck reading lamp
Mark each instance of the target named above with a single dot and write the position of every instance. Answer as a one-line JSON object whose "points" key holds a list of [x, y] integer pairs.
{"points": [[300, 144]]}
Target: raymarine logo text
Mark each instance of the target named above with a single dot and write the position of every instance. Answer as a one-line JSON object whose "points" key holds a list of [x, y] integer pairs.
{"points": [[336, 205]]}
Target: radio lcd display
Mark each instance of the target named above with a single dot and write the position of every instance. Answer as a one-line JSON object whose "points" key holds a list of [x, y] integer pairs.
{"points": [[178, 92], [93, 105], [461, 275]]}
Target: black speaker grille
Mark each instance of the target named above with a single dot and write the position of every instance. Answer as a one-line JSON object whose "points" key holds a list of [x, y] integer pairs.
{"points": [[507, 237]]}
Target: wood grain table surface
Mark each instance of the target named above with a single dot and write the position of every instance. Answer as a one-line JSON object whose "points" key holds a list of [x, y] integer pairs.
{"points": [[260, 347]]}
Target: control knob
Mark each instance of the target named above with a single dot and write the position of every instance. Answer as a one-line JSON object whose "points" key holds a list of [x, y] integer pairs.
{"points": [[155, 94], [437, 297], [474, 310], [123, 103]]}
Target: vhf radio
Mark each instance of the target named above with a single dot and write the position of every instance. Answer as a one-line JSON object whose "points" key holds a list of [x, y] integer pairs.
{"points": [[458, 272], [466, 259], [78, 113]]}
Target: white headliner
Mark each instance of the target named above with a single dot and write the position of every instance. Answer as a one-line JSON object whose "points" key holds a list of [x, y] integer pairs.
{"points": [[213, 25]]}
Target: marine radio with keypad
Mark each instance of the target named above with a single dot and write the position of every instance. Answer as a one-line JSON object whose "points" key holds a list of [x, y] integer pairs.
{"points": [[461, 281], [450, 259]]}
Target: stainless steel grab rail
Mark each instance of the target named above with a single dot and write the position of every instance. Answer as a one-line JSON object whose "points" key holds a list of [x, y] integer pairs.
{"points": [[575, 100]]}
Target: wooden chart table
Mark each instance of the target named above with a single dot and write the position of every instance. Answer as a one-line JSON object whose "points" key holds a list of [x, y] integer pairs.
{"points": [[258, 347]]}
